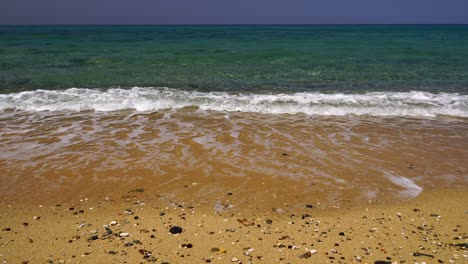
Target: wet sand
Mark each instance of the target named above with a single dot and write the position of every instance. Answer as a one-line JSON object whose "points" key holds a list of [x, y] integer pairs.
{"points": [[136, 228], [199, 156]]}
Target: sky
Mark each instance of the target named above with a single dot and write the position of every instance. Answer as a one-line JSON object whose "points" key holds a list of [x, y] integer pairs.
{"points": [[233, 12]]}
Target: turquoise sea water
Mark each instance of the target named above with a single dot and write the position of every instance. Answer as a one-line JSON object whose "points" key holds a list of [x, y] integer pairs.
{"points": [[236, 58], [416, 70]]}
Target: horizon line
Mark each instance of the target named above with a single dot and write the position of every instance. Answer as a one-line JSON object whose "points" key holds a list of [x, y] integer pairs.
{"points": [[246, 24]]}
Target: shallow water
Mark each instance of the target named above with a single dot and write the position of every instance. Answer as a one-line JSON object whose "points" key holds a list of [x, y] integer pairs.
{"points": [[332, 160]]}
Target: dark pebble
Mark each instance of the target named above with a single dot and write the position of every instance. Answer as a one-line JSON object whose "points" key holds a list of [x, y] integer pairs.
{"points": [[112, 252], [215, 249], [6, 229], [229, 193], [268, 221], [304, 216], [128, 244], [136, 217], [175, 230], [382, 262], [95, 237], [305, 255], [341, 233], [162, 213], [152, 236], [25, 224], [309, 206]]}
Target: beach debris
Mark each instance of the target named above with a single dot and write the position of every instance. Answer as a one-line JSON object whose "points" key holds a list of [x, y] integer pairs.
{"points": [[220, 207], [417, 254], [175, 230], [138, 190]]}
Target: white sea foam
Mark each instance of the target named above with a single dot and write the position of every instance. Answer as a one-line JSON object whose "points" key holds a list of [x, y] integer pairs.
{"points": [[412, 103], [411, 189]]}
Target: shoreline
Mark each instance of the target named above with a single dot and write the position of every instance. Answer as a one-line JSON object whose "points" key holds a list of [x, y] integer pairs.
{"points": [[429, 228]]}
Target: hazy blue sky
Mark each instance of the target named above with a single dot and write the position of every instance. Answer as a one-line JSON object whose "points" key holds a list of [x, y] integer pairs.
{"points": [[232, 11]]}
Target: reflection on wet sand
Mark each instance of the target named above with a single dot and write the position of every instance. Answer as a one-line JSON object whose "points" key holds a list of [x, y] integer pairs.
{"points": [[265, 159]]}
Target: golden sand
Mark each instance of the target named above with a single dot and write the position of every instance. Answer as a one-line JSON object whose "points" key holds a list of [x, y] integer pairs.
{"points": [[431, 229]]}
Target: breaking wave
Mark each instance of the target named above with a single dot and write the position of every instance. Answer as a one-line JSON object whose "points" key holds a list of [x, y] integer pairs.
{"points": [[414, 103]]}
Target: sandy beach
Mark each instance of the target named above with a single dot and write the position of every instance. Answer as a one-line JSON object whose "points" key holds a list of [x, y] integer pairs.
{"points": [[140, 227]]}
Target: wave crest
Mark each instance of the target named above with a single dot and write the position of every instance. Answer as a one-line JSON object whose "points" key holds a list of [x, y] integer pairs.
{"points": [[414, 103]]}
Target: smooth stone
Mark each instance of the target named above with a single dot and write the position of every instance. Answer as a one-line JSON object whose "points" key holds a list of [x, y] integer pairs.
{"points": [[175, 230]]}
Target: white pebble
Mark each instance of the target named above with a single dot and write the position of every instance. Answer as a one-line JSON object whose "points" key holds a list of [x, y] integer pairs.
{"points": [[124, 234]]}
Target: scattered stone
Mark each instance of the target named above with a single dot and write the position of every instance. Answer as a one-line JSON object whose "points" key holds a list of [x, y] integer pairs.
{"points": [[124, 234], [382, 262], [25, 224], [92, 238], [136, 217], [341, 234], [268, 221], [187, 245], [6, 229], [162, 213], [234, 260], [214, 249], [306, 255], [112, 252], [309, 206], [304, 216], [144, 230], [245, 222], [175, 230], [113, 223]]}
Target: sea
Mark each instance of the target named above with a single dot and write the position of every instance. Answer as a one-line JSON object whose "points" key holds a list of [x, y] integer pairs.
{"points": [[338, 115]]}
